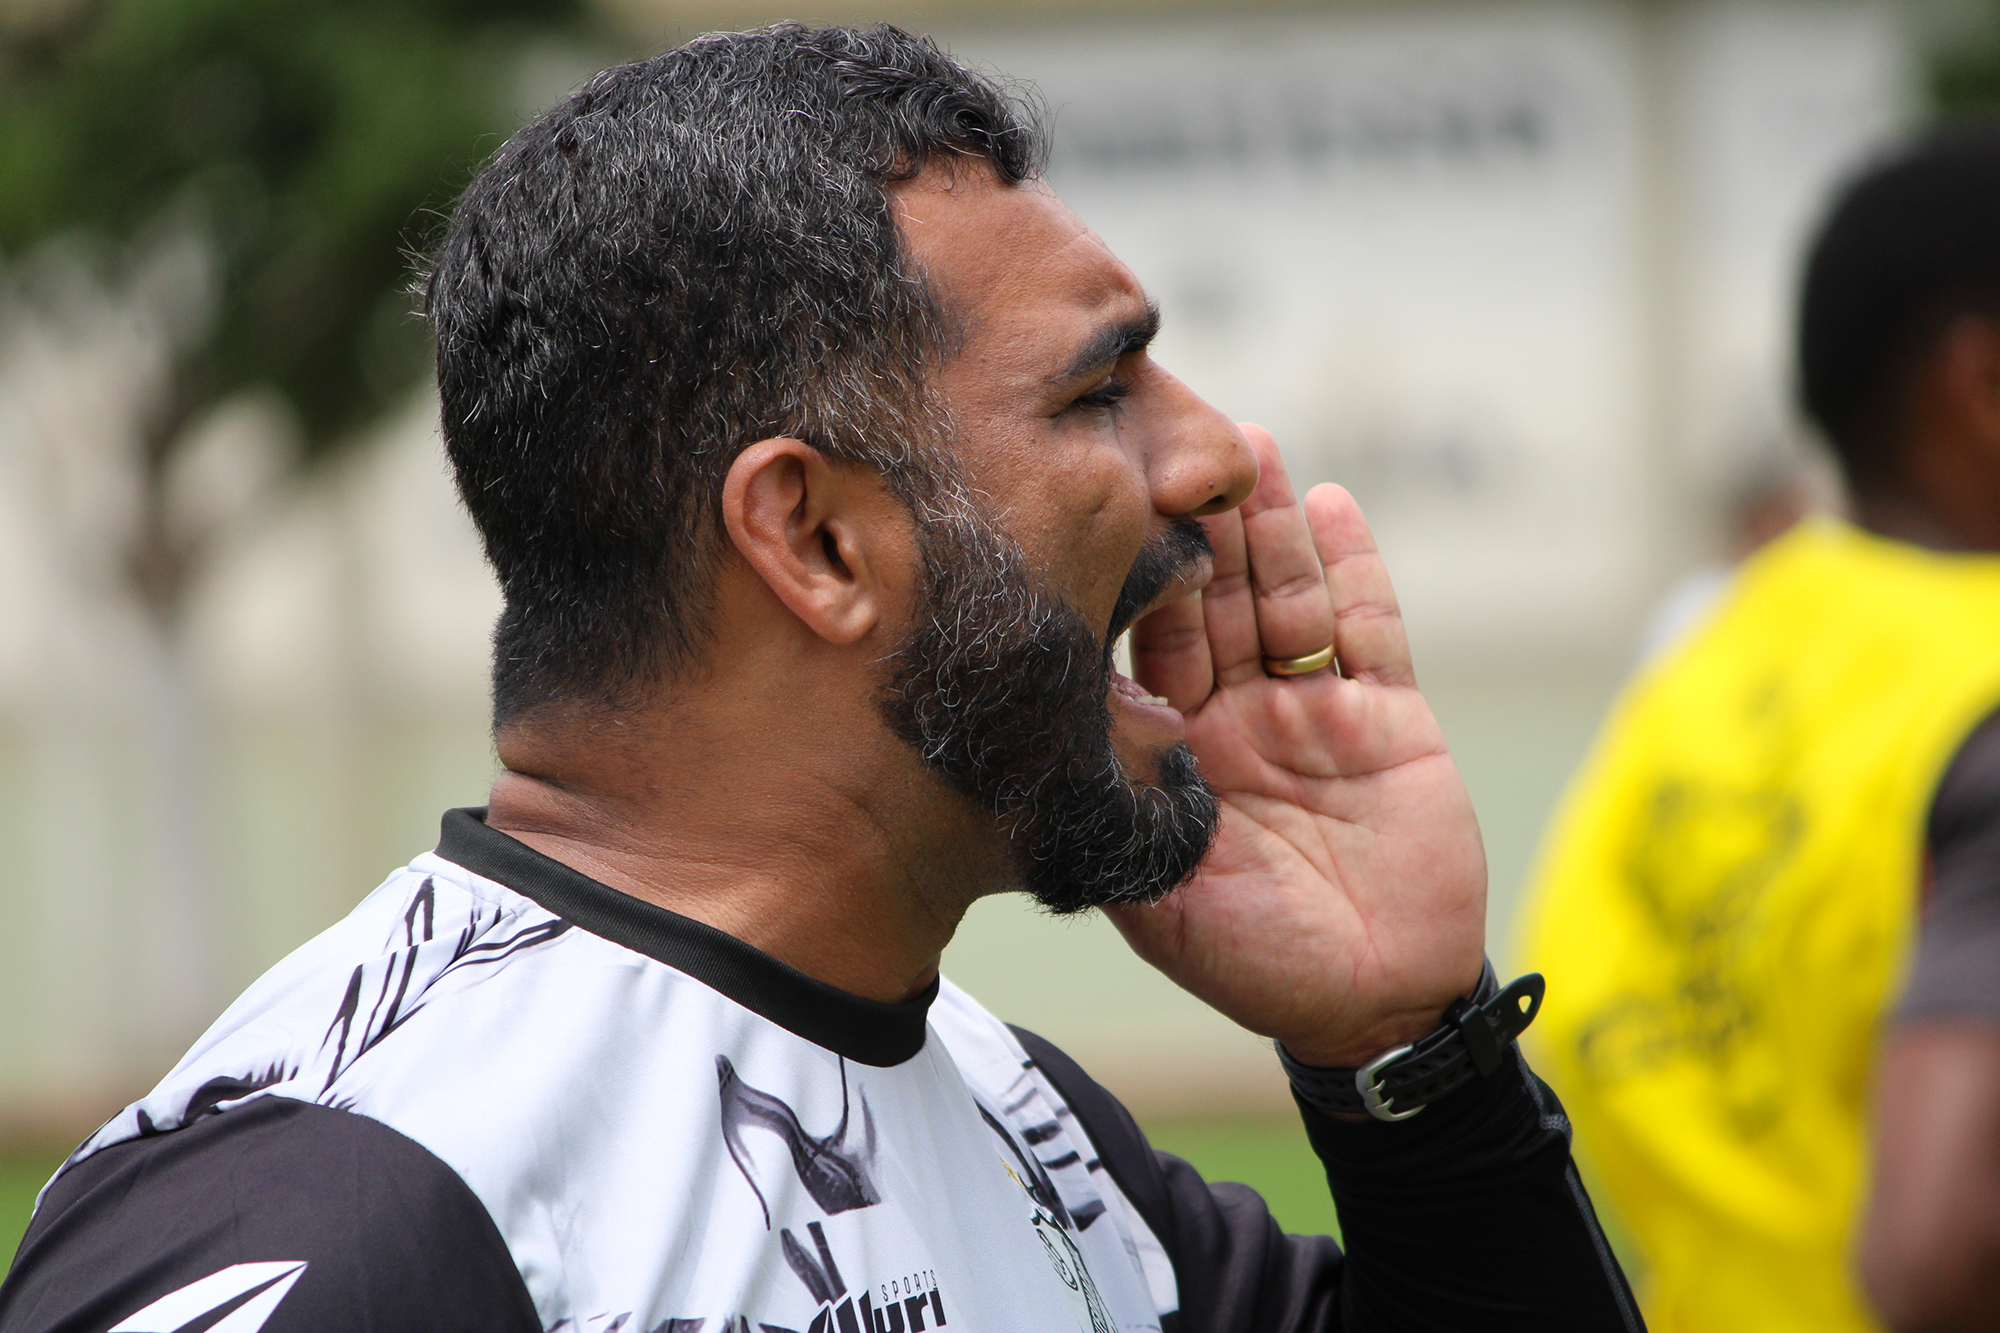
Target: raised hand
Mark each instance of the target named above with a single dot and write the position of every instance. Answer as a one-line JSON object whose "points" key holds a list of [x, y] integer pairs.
{"points": [[1343, 905]]}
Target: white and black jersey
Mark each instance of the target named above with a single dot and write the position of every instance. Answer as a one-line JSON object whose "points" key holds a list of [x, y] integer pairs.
{"points": [[501, 1096]]}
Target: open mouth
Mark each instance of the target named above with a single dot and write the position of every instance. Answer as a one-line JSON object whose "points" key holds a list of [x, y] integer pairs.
{"points": [[1127, 688], [1131, 696], [1176, 564], [1118, 671]]}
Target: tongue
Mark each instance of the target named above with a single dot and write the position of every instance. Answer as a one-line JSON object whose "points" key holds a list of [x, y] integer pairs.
{"points": [[1131, 689]]}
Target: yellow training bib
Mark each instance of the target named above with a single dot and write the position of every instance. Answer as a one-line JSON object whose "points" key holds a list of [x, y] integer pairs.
{"points": [[1724, 904]]}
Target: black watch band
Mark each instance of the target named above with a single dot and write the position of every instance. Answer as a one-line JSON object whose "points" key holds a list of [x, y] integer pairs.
{"points": [[1399, 1083]]}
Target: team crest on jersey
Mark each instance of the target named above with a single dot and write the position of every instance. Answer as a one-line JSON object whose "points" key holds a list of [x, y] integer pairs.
{"points": [[1067, 1260]]}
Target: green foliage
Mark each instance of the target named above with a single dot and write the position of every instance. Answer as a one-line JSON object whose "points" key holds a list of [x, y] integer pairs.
{"points": [[22, 1175], [1268, 1153], [304, 138], [1965, 79]]}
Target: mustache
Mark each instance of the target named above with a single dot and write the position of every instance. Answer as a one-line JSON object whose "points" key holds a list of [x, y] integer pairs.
{"points": [[1160, 561]]}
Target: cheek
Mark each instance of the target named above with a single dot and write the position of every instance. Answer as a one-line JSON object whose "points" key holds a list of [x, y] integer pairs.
{"points": [[1076, 500], [1101, 512]]}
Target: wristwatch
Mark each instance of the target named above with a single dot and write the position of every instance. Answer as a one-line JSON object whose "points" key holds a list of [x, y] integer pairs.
{"points": [[1397, 1084]]}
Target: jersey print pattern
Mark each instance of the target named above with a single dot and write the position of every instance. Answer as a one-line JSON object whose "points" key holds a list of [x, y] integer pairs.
{"points": [[245, 1295], [660, 1157], [836, 1177]]}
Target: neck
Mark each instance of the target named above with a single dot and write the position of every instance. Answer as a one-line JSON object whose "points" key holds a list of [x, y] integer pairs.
{"points": [[1954, 525], [847, 861]]}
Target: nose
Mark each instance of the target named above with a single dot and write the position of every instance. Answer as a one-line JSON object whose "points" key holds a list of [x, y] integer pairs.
{"points": [[1199, 462]]}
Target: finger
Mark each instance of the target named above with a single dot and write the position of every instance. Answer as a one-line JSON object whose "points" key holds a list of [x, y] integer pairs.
{"points": [[1228, 606], [1170, 654], [1294, 607], [1368, 621]]}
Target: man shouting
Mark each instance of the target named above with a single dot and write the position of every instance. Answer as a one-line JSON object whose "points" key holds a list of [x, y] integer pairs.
{"points": [[821, 460]]}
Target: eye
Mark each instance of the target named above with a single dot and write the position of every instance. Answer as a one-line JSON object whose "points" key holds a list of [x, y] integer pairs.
{"points": [[1103, 396]]}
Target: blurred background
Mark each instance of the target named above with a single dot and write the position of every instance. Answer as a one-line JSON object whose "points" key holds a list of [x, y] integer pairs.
{"points": [[1517, 272]]}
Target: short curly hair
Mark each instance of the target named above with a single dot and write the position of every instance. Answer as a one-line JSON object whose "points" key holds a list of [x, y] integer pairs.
{"points": [[689, 254], [1909, 245]]}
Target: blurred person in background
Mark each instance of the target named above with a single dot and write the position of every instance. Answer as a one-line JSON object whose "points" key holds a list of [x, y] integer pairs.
{"points": [[821, 459], [1763, 502], [1786, 799]]}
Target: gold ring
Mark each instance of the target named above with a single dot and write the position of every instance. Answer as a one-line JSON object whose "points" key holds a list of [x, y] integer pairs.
{"points": [[1300, 666]]}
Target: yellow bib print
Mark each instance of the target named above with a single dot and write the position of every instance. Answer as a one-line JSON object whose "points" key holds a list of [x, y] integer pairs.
{"points": [[1724, 905]]}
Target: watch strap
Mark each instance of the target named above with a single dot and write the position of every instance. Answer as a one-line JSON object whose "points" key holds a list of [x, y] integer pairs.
{"points": [[1470, 1043]]}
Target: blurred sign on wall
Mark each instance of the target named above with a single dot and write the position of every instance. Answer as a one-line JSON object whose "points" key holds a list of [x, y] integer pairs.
{"points": [[1404, 245]]}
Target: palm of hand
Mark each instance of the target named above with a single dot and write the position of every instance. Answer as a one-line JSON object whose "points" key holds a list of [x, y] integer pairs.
{"points": [[1342, 906]]}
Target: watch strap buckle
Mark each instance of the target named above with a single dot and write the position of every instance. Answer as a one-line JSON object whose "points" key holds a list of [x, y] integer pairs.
{"points": [[1368, 1082], [1470, 1041]]}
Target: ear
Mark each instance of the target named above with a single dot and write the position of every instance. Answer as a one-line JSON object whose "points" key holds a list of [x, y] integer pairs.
{"points": [[827, 538], [1968, 364]]}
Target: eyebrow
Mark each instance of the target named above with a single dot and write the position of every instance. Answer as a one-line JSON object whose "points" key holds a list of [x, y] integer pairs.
{"points": [[1112, 342]]}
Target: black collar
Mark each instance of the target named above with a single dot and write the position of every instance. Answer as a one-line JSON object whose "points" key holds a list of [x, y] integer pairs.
{"points": [[863, 1030]]}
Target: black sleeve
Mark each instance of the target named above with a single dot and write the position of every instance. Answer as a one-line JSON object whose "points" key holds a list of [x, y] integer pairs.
{"points": [[338, 1221], [1956, 972], [1468, 1217]]}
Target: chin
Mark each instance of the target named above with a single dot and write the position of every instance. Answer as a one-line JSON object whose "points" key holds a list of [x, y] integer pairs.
{"points": [[1161, 763], [1166, 766]]}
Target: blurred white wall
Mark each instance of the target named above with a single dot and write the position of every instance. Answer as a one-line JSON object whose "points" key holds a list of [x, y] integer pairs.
{"points": [[172, 824], [1518, 274]]}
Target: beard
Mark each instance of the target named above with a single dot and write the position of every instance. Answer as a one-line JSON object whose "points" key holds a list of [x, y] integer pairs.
{"points": [[1002, 687]]}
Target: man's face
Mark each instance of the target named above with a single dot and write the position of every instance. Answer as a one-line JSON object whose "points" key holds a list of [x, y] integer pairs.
{"points": [[1085, 465]]}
